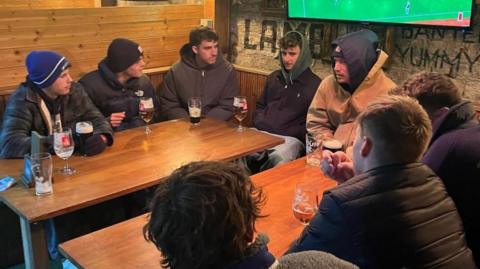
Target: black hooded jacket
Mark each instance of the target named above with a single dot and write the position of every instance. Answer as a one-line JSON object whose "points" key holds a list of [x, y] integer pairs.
{"points": [[282, 108]]}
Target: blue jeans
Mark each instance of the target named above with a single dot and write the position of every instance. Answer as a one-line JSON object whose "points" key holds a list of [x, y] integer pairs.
{"points": [[290, 150]]}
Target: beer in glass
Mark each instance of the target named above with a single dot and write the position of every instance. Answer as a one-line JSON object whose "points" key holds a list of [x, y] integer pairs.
{"points": [[83, 130], [195, 109]]}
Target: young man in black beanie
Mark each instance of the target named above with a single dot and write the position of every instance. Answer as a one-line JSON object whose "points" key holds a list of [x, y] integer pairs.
{"points": [[201, 72], [118, 83], [46, 99]]}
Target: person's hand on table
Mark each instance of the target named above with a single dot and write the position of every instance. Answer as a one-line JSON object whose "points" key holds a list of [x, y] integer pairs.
{"points": [[337, 165]]}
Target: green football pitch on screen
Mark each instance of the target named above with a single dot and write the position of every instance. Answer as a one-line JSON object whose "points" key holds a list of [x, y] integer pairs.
{"points": [[455, 13]]}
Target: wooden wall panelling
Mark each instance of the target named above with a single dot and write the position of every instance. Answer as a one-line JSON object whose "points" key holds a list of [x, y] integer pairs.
{"points": [[161, 30], [222, 25], [34, 4], [251, 83], [209, 9]]}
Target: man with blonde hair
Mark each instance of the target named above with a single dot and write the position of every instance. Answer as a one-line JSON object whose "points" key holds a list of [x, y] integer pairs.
{"points": [[395, 212]]}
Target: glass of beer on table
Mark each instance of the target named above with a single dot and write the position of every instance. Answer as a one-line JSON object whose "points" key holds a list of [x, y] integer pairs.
{"points": [[83, 130], [305, 201], [240, 109], [64, 145], [195, 109], [146, 110]]}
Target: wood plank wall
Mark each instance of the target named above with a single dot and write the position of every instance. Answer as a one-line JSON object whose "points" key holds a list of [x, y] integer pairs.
{"points": [[83, 34], [251, 83], [48, 3]]}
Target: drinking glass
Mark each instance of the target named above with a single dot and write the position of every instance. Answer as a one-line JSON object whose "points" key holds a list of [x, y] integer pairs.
{"points": [[313, 148], [146, 112], [41, 169], [63, 145], [195, 109], [305, 202], [83, 130], [240, 109]]}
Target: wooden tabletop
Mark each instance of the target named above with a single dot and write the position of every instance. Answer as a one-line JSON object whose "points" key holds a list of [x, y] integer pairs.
{"points": [[134, 162], [123, 245]]}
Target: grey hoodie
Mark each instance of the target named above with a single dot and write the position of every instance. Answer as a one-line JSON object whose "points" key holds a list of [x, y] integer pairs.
{"points": [[215, 84]]}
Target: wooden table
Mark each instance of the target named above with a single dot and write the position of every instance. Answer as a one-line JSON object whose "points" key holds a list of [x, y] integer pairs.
{"points": [[135, 161], [123, 246]]}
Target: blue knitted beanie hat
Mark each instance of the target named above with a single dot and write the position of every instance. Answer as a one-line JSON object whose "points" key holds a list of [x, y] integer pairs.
{"points": [[44, 67]]}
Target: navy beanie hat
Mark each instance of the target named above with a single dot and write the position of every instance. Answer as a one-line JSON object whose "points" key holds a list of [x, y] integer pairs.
{"points": [[44, 67], [122, 53]]}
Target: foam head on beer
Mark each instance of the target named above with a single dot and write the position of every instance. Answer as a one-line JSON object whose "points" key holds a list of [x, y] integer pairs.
{"points": [[83, 130], [332, 145], [84, 127]]}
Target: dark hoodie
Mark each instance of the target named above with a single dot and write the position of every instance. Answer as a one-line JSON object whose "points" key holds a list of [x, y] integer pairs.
{"points": [[110, 96], [215, 84], [454, 155], [359, 51], [282, 108]]}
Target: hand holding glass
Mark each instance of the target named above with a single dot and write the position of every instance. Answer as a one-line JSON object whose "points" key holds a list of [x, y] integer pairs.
{"points": [[305, 202], [195, 109], [146, 112], [240, 109], [63, 145]]}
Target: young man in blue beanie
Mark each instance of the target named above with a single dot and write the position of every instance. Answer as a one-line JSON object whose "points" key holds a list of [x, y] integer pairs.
{"points": [[48, 99], [118, 83]]}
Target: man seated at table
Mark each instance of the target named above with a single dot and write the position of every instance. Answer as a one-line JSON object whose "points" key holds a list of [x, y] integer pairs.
{"points": [[282, 108], [358, 79], [203, 216], [201, 72], [46, 100], [395, 213], [454, 150], [118, 84]]}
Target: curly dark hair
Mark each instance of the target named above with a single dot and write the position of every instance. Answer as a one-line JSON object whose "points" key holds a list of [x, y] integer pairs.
{"points": [[290, 40], [203, 216], [200, 34], [432, 90]]}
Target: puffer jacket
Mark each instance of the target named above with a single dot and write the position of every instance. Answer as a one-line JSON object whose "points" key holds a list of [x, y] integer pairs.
{"points": [[215, 84], [24, 115], [395, 216], [335, 107], [110, 96]]}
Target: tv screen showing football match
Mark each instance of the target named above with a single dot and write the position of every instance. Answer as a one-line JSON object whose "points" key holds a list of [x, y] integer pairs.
{"points": [[452, 13]]}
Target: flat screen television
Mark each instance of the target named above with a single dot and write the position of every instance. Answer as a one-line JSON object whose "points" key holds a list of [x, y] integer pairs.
{"points": [[449, 13]]}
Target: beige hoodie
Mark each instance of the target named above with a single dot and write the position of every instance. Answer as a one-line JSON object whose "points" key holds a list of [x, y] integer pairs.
{"points": [[333, 110]]}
